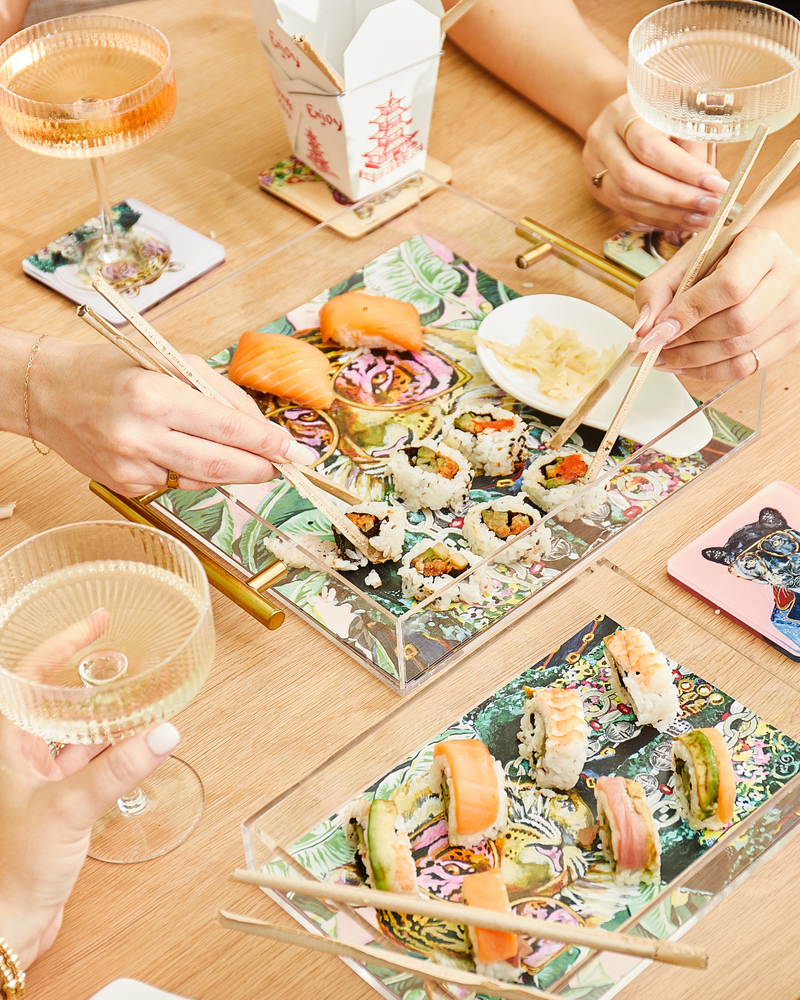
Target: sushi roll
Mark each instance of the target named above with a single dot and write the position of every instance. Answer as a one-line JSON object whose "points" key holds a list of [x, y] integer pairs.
{"points": [[431, 475], [554, 736], [552, 478], [641, 678], [324, 549], [705, 784], [471, 784], [495, 953], [493, 439], [375, 830], [628, 833], [430, 566], [384, 526], [284, 366], [488, 526], [357, 319]]}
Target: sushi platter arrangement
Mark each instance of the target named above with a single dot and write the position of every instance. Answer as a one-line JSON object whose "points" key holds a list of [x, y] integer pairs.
{"points": [[588, 792], [468, 516]]}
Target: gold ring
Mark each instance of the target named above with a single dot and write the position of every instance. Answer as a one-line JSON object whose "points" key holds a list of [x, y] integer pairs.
{"points": [[758, 361], [172, 480], [597, 180], [627, 126]]}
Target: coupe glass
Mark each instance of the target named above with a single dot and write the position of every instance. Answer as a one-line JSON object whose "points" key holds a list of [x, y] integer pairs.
{"points": [[713, 70], [106, 630], [86, 86]]}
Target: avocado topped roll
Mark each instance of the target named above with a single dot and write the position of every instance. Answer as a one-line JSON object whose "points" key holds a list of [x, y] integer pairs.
{"points": [[705, 784], [376, 831], [383, 526], [488, 526], [430, 475], [493, 439], [554, 477]]}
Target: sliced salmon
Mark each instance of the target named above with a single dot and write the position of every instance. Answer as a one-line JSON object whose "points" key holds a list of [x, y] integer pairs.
{"points": [[487, 890], [284, 366]]}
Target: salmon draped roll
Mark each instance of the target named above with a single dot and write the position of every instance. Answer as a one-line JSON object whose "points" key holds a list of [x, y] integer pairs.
{"points": [[495, 953], [472, 787], [628, 833]]}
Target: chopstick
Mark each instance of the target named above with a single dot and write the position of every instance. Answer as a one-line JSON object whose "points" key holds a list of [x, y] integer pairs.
{"points": [[303, 43], [710, 247], [456, 11], [423, 968], [693, 273], [186, 372], [457, 913]]}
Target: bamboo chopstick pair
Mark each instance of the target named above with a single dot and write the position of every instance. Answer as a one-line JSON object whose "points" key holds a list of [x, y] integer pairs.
{"points": [[711, 247], [311, 484], [456, 913]]}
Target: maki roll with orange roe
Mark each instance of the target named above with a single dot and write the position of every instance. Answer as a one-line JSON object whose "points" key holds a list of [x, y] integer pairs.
{"points": [[705, 784], [471, 784], [554, 477], [492, 438], [495, 953]]}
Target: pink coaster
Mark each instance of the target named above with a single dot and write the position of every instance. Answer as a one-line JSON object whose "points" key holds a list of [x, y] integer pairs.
{"points": [[748, 566], [165, 256]]}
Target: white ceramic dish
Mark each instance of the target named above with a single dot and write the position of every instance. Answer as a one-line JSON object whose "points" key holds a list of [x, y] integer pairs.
{"points": [[661, 402]]}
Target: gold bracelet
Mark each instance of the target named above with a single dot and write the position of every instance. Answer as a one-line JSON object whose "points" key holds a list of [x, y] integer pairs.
{"points": [[25, 399], [12, 978]]}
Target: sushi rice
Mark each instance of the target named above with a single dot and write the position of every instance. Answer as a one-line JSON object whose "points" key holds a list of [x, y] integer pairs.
{"points": [[324, 549], [421, 488], [533, 482], [384, 526], [418, 586], [496, 452], [484, 541]]}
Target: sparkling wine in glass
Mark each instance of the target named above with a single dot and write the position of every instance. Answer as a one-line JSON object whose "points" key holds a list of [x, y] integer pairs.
{"points": [[87, 86], [106, 630], [713, 70]]}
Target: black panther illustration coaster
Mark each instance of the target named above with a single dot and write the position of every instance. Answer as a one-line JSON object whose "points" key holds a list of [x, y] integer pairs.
{"points": [[748, 566]]}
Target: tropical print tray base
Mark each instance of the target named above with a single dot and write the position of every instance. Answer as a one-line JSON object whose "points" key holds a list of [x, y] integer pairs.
{"points": [[549, 874], [386, 399]]}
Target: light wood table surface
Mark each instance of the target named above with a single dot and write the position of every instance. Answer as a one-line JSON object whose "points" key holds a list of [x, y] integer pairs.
{"points": [[279, 704]]}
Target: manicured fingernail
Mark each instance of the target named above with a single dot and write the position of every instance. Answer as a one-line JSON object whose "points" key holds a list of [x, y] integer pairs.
{"points": [[694, 220], [706, 203], [300, 454], [163, 739], [640, 322], [712, 182], [667, 330]]}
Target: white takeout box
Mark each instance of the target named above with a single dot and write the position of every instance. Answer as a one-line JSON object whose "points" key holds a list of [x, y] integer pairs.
{"points": [[374, 133]]}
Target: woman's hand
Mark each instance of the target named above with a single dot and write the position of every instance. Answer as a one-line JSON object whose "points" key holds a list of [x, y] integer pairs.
{"points": [[126, 427], [48, 809], [745, 314], [650, 178]]}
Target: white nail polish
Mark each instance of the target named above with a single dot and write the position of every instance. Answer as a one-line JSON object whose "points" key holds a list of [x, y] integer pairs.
{"points": [[163, 739], [299, 453]]}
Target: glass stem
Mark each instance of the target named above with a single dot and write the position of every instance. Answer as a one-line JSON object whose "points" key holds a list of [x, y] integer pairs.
{"points": [[133, 803], [712, 154], [111, 247]]}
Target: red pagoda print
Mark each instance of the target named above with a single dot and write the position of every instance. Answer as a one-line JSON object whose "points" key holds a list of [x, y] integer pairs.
{"points": [[395, 146], [316, 156]]}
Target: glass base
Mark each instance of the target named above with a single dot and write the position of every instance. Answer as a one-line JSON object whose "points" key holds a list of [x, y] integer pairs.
{"points": [[175, 802]]}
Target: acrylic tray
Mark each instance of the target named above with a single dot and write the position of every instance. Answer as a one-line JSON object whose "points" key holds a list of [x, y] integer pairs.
{"points": [[548, 873], [456, 260]]}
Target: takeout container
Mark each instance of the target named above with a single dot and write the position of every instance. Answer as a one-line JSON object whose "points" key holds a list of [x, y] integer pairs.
{"points": [[374, 132]]}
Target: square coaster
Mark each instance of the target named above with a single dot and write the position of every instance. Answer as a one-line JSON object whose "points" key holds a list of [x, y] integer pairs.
{"points": [[298, 185], [165, 256], [748, 566]]}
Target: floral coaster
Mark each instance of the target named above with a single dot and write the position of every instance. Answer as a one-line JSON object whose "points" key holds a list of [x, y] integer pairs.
{"points": [[165, 256], [294, 182]]}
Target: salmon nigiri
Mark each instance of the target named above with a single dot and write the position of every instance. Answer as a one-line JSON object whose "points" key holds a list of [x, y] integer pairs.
{"points": [[494, 952], [284, 366], [356, 319], [472, 786]]}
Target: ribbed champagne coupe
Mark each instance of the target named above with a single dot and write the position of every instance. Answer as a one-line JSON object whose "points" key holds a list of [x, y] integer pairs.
{"points": [[106, 630], [713, 70], [86, 86]]}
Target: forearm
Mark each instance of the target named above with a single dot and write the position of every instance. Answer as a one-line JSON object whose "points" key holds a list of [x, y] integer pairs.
{"points": [[12, 14], [15, 351], [545, 51]]}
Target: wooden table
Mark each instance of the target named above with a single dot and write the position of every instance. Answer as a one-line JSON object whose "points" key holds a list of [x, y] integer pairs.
{"points": [[245, 733]]}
